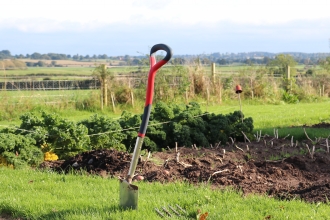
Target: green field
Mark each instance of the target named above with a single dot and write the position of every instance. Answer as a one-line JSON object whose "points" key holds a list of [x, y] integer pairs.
{"points": [[31, 194]]}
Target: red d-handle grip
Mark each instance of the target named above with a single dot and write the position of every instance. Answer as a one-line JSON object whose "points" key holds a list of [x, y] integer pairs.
{"points": [[154, 66]]}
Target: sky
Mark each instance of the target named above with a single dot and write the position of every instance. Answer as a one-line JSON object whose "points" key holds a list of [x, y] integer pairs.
{"points": [[132, 27]]}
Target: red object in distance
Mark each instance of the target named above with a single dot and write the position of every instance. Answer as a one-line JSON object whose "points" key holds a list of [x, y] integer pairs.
{"points": [[238, 89]]}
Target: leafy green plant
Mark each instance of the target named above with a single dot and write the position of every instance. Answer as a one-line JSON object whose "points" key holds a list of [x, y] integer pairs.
{"points": [[66, 138], [19, 150], [187, 125], [104, 132], [289, 97]]}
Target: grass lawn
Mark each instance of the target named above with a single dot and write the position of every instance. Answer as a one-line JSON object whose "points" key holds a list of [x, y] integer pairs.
{"points": [[285, 118], [45, 195]]}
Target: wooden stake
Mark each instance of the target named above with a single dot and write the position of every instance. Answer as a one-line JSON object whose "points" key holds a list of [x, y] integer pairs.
{"points": [[132, 97], [113, 102]]}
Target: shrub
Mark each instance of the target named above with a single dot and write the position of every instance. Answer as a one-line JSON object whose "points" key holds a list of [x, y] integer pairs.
{"points": [[104, 133], [65, 138], [19, 150]]}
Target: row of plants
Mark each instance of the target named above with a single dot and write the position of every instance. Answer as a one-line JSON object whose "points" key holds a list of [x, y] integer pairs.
{"points": [[189, 83], [48, 136]]}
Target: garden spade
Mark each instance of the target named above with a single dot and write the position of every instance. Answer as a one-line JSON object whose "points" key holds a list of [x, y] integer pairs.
{"points": [[128, 193]]}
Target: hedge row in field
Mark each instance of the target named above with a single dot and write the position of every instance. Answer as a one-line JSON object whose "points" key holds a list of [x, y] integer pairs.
{"points": [[185, 124]]}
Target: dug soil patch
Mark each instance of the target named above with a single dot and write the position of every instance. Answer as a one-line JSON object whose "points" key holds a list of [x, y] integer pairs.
{"points": [[272, 166]]}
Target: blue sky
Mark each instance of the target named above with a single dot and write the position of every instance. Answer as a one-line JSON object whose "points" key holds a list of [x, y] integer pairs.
{"points": [[120, 27]]}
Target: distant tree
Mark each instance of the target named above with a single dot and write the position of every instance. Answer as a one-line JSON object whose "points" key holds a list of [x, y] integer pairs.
{"points": [[282, 61], [41, 63], [248, 62], [5, 54], [45, 57], [205, 61], [21, 56], [325, 64], [144, 61], [266, 60], [222, 61], [135, 61], [55, 56], [177, 61], [29, 64], [35, 56], [68, 56], [104, 56], [53, 63], [102, 73]]}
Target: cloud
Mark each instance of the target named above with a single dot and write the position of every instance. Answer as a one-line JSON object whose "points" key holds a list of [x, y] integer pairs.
{"points": [[121, 39], [184, 12]]}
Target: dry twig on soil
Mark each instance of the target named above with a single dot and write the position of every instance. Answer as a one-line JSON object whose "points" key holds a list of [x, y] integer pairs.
{"points": [[276, 133], [220, 171], [309, 151], [245, 137], [239, 148], [258, 136], [232, 141]]}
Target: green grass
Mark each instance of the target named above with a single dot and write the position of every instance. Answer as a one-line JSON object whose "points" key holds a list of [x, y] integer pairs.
{"points": [[46, 195], [284, 117]]}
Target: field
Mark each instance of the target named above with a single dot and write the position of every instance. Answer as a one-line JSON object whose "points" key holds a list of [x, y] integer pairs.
{"points": [[281, 173]]}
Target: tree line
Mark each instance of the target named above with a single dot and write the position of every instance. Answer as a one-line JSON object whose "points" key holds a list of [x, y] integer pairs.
{"points": [[259, 58]]}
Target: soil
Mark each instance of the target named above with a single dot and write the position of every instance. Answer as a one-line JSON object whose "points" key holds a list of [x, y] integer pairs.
{"points": [[273, 166]]}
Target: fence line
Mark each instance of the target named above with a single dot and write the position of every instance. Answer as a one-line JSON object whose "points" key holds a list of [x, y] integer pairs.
{"points": [[50, 85]]}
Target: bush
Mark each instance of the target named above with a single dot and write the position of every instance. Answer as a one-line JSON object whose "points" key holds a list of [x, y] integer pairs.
{"points": [[19, 150], [65, 138], [186, 125], [104, 133]]}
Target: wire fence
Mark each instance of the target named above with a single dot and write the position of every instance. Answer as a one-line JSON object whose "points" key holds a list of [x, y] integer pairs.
{"points": [[50, 85]]}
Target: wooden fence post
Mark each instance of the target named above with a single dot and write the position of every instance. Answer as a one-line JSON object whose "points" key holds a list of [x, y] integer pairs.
{"points": [[213, 73], [288, 72], [132, 97], [288, 81], [101, 101], [113, 101]]}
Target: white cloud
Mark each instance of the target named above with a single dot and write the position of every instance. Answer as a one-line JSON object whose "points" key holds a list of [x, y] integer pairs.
{"points": [[41, 15]]}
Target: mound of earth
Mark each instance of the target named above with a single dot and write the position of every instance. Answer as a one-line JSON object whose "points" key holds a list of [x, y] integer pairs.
{"points": [[277, 167]]}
